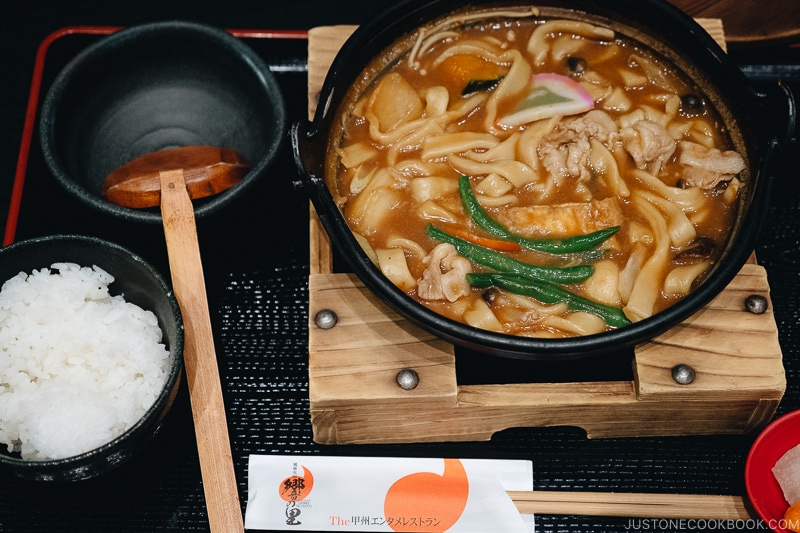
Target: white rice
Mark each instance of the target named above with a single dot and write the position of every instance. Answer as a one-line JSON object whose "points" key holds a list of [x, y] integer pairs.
{"points": [[78, 367]]}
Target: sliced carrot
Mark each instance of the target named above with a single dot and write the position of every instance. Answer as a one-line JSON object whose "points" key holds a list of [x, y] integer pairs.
{"points": [[486, 242]]}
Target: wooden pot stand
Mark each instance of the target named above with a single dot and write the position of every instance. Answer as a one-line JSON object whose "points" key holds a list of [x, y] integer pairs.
{"points": [[355, 397], [734, 355]]}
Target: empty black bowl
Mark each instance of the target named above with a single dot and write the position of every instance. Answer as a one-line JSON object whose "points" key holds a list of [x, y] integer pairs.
{"points": [[140, 284], [153, 87]]}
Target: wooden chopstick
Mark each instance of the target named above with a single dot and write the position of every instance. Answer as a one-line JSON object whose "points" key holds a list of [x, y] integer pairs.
{"points": [[200, 360], [639, 505]]}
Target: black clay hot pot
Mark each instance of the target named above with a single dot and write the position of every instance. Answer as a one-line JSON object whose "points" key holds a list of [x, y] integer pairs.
{"points": [[758, 123]]}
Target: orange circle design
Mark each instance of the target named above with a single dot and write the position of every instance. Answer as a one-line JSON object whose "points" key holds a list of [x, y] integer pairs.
{"points": [[296, 488]]}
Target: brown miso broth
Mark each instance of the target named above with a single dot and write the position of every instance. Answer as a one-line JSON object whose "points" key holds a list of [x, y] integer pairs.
{"points": [[613, 135]]}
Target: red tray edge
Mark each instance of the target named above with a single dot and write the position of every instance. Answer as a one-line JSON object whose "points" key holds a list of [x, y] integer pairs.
{"points": [[35, 91]]}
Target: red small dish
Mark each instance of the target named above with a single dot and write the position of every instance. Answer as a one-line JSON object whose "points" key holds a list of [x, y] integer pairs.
{"points": [[763, 489]]}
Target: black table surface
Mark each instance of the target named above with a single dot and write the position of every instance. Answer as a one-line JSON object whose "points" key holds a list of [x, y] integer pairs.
{"points": [[256, 265]]}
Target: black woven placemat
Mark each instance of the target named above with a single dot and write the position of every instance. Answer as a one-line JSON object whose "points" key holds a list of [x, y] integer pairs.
{"points": [[256, 270]]}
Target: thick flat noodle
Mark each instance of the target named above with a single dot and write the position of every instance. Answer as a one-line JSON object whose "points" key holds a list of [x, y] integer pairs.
{"points": [[690, 200], [516, 172], [392, 262], [539, 47], [356, 154], [433, 211], [432, 187], [412, 141], [528, 145], [681, 231], [515, 83], [680, 279], [481, 316], [655, 72], [438, 115], [605, 167], [488, 51], [493, 186], [455, 143], [647, 285], [442, 31], [506, 149]]}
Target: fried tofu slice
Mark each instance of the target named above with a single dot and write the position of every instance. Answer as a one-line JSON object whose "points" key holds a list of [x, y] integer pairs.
{"points": [[563, 220]]}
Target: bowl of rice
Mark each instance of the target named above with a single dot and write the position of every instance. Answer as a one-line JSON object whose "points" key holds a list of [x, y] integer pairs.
{"points": [[91, 353]]}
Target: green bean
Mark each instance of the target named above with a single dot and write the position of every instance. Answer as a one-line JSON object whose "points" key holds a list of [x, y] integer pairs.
{"points": [[503, 263], [578, 243], [550, 294]]}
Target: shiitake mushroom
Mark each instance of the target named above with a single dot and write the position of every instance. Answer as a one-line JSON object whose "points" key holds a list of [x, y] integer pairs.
{"points": [[692, 105], [490, 295], [698, 250], [577, 65]]}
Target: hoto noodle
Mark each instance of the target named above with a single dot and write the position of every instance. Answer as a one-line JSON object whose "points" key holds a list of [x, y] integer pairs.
{"points": [[501, 132]]}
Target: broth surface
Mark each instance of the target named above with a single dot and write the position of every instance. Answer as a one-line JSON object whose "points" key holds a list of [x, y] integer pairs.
{"points": [[563, 129]]}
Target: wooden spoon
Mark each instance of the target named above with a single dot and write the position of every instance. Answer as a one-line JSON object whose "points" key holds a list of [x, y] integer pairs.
{"points": [[173, 178], [207, 170]]}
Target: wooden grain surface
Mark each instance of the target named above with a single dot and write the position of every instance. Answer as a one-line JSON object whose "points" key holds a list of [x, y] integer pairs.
{"points": [[750, 22], [354, 398]]}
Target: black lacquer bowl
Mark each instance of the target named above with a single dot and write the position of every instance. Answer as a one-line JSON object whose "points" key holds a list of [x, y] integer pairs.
{"points": [[758, 123], [153, 87], [140, 284]]}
